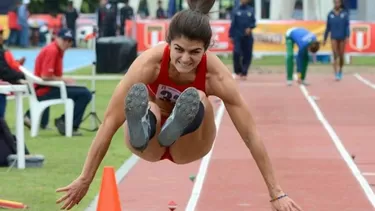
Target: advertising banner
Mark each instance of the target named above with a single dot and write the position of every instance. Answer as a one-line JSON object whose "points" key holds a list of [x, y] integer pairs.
{"points": [[4, 24], [269, 35]]}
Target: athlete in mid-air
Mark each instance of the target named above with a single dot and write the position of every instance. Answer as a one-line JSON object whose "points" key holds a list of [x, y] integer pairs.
{"points": [[163, 101]]}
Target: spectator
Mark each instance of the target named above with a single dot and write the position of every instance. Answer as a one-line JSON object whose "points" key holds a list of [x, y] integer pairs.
{"points": [[100, 16], [338, 26], [160, 12], [241, 34], [43, 33], [9, 71], [143, 11], [126, 13], [48, 66], [23, 15], [14, 36], [71, 16], [107, 19]]}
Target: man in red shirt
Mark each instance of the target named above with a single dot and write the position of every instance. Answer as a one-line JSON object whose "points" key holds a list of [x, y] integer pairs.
{"points": [[49, 66]]}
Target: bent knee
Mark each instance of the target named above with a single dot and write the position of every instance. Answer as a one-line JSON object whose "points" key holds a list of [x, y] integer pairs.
{"points": [[204, 99], [84, 93], [88, 95], [202, 95]]}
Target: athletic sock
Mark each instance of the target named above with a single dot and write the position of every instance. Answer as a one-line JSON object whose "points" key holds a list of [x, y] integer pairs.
{"points": [[152, 128]]}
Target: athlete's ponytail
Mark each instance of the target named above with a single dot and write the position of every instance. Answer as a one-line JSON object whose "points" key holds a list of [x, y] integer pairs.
{"points": [[193, 23], [203, 6]]}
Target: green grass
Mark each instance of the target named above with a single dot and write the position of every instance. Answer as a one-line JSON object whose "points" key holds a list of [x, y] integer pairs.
{"points": [[64, 158]]}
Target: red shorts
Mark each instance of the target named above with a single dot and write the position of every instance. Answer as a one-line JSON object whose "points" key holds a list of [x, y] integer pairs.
{"points": [[167, 155]]}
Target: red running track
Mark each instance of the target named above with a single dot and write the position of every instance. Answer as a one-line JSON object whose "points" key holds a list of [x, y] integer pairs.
{"points": [[307, 163], [352, 116]]}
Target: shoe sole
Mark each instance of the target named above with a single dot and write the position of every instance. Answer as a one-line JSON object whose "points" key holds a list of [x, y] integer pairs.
{"points": [[184, 112], [136, 110]]}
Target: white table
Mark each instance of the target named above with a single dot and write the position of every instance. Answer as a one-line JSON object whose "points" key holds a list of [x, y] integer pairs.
{"points": [[18, 91]]}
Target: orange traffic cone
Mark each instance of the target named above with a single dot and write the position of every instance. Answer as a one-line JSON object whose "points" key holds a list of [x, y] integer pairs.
{"points": [[109, 199]]}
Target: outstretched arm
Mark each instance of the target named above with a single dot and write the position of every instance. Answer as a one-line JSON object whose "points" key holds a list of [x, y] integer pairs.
{"points": [[225, 88]]}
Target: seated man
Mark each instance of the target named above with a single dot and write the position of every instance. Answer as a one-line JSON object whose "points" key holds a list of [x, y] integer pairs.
{"points": [[306, 41], [49, 66], [9, 71]]}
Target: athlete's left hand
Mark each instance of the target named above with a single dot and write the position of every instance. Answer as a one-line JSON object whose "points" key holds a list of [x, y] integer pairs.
{"points": [[285, 204], [73, 193]]}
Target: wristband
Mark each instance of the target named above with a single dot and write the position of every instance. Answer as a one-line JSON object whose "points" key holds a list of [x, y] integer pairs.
{"points": [[279, 197]]}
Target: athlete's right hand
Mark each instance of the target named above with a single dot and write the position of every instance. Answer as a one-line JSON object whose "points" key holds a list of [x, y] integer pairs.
{"points": [[73, 193]]}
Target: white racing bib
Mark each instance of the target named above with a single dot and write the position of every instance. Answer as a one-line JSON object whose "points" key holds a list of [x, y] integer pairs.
{"points": [[167, 93]]}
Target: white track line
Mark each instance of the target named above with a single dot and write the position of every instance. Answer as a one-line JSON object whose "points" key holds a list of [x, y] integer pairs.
{"points": [[365, 81], [340, 147], [198, 183]]}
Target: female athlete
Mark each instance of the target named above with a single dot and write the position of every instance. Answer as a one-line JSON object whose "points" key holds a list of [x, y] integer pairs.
{"points": [[338, 26], [163, 102]]}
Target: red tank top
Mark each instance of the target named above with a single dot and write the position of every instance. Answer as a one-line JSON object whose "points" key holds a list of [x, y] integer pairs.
{"points": [[163, 88]]}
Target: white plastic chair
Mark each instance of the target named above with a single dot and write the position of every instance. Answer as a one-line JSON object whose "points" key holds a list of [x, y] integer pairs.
{"points": [[37, 107]]}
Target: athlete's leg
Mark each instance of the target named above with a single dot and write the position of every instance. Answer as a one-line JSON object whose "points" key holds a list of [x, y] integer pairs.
{"points": [[199, 138], [300, 63], [289, 60], [305, 64], [335, 52], [341, 49], [142, 125], [237, 56], [247, 50]]}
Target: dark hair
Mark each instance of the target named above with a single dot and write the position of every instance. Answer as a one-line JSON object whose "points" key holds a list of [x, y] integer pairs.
{"points": [[314, 46], [342, 4], [193, 23]]}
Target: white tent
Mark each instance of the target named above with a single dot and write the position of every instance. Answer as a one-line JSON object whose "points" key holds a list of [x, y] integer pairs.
{"points": [[284, 9], [365, 10]]}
